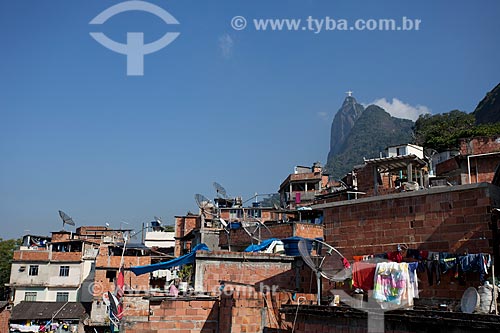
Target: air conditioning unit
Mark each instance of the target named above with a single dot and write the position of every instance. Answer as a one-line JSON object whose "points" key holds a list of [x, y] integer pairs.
{"points": [[108, 240]]}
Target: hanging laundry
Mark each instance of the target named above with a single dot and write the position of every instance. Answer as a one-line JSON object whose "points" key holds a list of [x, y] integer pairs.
{"points": [[392, 287], [433, 270], [395, 256], [357, 258], [346, 263], [412, 270], [412, 253], [473, 263], [448, 262], [363, 275]]}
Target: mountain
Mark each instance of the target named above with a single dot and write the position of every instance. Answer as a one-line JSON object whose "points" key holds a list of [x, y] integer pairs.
{"points": [[342, 124], [488, 110], [372, 132]]}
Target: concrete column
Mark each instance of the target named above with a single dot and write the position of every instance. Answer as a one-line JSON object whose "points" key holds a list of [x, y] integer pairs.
{"points": [[410, 172]]}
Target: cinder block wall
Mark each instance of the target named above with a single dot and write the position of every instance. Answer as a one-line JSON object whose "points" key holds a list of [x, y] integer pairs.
{"points": [[178, 315], [240, 239], [451, 219], [243, 270], [4, 320]]}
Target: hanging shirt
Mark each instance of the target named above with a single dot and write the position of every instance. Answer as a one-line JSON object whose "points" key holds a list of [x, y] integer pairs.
{"points": [[392, 288], [395, 256], [362, 275]]}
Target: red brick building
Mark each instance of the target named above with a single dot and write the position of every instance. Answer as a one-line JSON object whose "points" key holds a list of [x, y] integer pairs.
{"points": [[478, 161], [184, 227], [4, 316], [301, 187], [453, 219]]}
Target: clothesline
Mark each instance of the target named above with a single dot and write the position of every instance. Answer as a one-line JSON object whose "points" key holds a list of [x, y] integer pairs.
{"points": [[388, 279]]}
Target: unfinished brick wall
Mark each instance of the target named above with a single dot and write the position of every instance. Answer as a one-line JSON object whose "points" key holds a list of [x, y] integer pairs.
{"points": [[4, 319], [480, 145], [184, 225], [135, 307], [240, 239], [186, 315], [249, 272], [483, 168], [62, 236], [259, 312], [453, 219], [105, 263], [365, 180], [236, 313], [31, 255], [66, 256], [267, 214]]}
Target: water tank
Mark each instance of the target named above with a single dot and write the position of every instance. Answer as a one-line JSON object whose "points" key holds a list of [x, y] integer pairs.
{"points": [[291, 245]]}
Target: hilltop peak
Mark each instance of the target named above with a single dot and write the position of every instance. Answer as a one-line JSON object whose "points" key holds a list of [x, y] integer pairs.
{"points": [[343, 122], [358, 132]]}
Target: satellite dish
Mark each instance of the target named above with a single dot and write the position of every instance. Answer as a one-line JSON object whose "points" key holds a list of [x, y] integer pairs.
{"points": [[202, 201], [66, 218], [157, 219], [220, 190], [256, 229], [328, 264], [205, 205]]}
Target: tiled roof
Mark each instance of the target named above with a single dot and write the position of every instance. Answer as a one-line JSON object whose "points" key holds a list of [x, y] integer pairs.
{"points": [[45, 310]]}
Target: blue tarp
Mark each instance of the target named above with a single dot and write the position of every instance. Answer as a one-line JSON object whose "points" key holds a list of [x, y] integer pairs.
{"points": [[183, 260], [262, 246]]}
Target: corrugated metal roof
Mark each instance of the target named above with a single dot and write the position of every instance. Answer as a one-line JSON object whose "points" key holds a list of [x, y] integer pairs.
{"points": [[45, 310], [395, 162]]}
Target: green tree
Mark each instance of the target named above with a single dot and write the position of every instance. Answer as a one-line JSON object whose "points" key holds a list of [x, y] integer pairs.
{"points": [[169, 228], [441, 131], [7, 248]]}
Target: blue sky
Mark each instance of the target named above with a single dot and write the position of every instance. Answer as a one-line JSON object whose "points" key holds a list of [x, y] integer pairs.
{"points": [[238, 107]]}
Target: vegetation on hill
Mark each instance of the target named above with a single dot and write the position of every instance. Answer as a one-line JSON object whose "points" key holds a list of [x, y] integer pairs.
{"points": [[373, 131], [442, 131], [359, 133], [7, 248]]}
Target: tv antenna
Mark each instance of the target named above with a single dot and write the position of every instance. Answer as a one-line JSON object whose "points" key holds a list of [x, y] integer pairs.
{"points": [[255, 228], [66, 219], [329, 264]]}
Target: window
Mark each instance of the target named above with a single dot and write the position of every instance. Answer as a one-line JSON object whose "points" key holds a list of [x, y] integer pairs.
{"points": [[111, 275], [256, 213], [33, 270], [30, 296], [235, 214], [62, 297], [64, 271]]}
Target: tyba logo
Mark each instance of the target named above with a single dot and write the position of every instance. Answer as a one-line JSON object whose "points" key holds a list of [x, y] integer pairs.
{"points": [[135, 49]]}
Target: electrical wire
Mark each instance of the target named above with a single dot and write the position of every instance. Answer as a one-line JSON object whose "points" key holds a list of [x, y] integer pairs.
{"points": [[297, 311]]}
